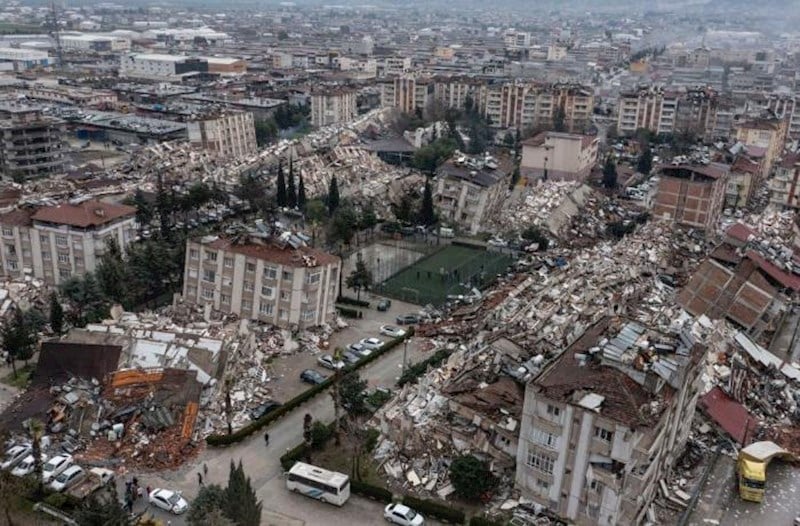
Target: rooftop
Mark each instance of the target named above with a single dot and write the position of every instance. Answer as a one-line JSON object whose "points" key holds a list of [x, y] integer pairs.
{"points": [[480, 171], [84, 214], [268, 251], [684, 171]]}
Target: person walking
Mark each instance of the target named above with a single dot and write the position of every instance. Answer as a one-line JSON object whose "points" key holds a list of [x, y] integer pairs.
{"points": [[205, 469], [200, 478], [266, 439]]}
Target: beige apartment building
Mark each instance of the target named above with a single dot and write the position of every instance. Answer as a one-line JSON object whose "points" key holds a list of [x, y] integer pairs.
{"points": [[333, 106], [405, 93], [262, 279], [784, 186], [230, 135], [565, 157], [606, 421], [54, 243], [526, 105], [767, 134]]}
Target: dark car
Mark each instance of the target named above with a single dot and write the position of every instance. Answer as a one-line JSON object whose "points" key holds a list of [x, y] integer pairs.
{"points": [[350, 357], [261, 410], [312, 377], [407, 319], [384, 304]]}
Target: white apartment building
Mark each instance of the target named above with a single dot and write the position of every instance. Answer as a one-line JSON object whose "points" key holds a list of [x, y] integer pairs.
{"points": [[605, 422], [232, 135], [651, 109], [160, 67], [526, 105], [54, 243], [333, 106], [405, 93], [396, 66], [264, 280], [566, 157]]}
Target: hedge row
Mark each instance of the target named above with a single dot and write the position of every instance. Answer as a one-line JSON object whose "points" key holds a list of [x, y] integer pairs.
{"points": [[430, 508], [350, 313], [352, 301], [483, 521], [297, 401], [415, 370], [371, 492]]}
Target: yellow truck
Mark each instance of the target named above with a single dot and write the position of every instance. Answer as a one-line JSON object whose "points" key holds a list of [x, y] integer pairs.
{"points": [[751, 468]]}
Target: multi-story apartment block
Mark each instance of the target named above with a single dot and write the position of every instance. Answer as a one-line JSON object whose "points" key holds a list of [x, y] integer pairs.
{"points": [[649, 108], [768, 134], [784, 185], [526, 105], [453, 92], [564, 156], [333, 106], [516, 39], [231, 135], [467, 190], [279, 281], [54, 243], [406, 93], [691, 195], [31, 144], [396, 66], [741, 181], [606, 421]]}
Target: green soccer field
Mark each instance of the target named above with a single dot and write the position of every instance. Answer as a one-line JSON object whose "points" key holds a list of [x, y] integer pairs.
{"points": [[452, 270]]}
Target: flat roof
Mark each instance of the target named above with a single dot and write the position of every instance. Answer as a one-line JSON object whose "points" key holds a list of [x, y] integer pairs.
{"points": [[292, 257]]}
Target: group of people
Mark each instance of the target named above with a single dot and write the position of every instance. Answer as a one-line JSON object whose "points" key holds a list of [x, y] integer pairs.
{"points": [[133, 492]]}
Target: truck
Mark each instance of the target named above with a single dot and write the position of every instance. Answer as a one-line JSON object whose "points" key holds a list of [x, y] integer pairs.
{"points": [[751, 468], [96, 479]]}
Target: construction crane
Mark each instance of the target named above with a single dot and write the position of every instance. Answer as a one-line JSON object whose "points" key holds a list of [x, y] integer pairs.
{"points": [[55, 34]]}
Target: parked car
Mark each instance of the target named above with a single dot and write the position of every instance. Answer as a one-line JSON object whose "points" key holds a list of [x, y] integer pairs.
{"points": [[55, 466], [384, 305], [360, 349], [312, 377], [69, 477], [407, 319], [329, 362], [401, 514], [392, 331], [168, 500], [351, 357], [263, 409], [372, 343], [26, 466], [15, 455]]}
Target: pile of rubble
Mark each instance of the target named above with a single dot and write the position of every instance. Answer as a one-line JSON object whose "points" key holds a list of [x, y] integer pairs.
{"points": [[547, 205]]}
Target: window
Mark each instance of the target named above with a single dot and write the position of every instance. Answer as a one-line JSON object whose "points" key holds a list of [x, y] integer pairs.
{"points": [[250, 267], [308, 315], [12, 265], [553, 411], [208, 294], [209, 275], [543, 438], [287, 275], [313, 278], [8, 232], [211, 256], [266, 308], [270, 272], [193, 273], [11, 250], [225, 298], [283, 314], [78, 262], [542, 486], [228, 262], [540, 462], [46, 256], [64, 273], [226, 281], [268, 292], [285, 295], [194, 253], [247, 305], [596, 486], [63, 258], [61, 240], [603, 434], [248, 286]]}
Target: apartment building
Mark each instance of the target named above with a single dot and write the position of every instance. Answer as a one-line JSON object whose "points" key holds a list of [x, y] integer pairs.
{"points": [[230, 135], [278, 281], [784, 185], [54, 243], [606, 421], [768, 134], [468, 189], [226, 66], [332, 106], [649, 108], [453, 92], [563, 156], [406, 93], [691, 195], [153, 66], [395, 66], [527, 105], [742, 180], [93, 43], [31, 144]]}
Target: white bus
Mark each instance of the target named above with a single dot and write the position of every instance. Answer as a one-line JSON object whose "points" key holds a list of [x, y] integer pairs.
{"points": [[318, 483]]}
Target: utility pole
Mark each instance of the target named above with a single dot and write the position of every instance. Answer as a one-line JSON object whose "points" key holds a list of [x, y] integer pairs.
{"points": [[405, 353]]}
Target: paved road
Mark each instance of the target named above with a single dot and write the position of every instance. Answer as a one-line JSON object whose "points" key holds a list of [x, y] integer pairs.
{"points": [[281, 507]]}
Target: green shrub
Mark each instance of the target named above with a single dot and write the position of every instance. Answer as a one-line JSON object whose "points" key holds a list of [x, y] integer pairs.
{"points": [[57, 500], [352, 301], [372, 439], [483, 521], [350, 313], [293, 455], [320, 433], [435, 509], [415, 370], [371, 492]]}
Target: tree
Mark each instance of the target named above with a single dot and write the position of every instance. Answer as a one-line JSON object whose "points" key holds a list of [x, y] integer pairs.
{"points": [[610, 173], [471, 477], [515, 177], [144, 212], [301, 193], [19, 340], [280, 196], [333, 196], [56, 314], [291, 192], [427, 215], [645, 162], [112, 273], [36, 432], [97, 511], [343, 225], [351, 394], [85, 300], [266, 131], [508, 140], [534, 234], [360, 278], [241, 504], [210, 499], [368, 219], [559, 119]]}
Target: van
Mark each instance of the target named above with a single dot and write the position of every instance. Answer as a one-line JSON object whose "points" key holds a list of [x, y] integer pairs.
{"points": [[446, 232]]}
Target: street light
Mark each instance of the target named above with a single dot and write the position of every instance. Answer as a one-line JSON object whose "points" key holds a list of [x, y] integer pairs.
{"points": [[405, 353]]}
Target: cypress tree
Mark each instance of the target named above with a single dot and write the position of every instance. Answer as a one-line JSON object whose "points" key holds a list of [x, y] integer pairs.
{"points": [[291, 193], [333, 196], [427, 216], [301, 193], [241, 504], [281, 195], [56, 314]]}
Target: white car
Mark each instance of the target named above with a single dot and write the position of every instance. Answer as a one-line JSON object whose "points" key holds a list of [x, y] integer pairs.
{"points": [[27, 465], [372, 343], [15, 455], [400, 514], [329, 362], [360, 350], [55, 466], [168, 500], [68, 478], [392, 331]]}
